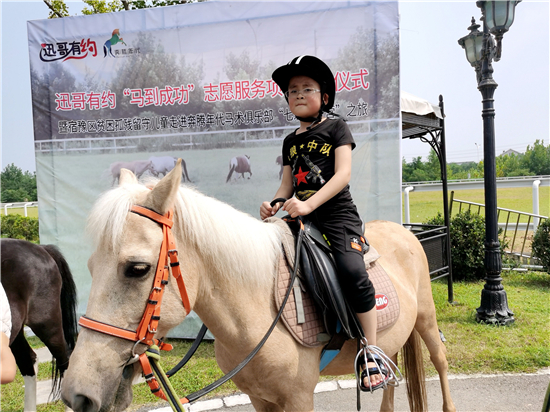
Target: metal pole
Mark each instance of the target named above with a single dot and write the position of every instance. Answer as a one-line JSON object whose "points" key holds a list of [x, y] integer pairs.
{"points": [[6, 208], [446, 213], [536, 220], [407, 205], [494, 303]]}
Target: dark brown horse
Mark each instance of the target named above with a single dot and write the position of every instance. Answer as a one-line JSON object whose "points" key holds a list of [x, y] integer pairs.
{"points": [[239, 164], [42, 295]]}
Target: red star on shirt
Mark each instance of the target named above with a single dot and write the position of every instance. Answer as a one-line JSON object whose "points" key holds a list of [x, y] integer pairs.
{"points": [[301, 176]]}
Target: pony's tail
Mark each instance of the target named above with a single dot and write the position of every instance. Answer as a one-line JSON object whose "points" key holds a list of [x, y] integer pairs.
{"points": [[230, 173], [414, 373], [68, 301]]}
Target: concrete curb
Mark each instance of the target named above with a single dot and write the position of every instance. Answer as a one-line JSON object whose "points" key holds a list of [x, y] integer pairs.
{"points": [[44, 388], [327, 386]]}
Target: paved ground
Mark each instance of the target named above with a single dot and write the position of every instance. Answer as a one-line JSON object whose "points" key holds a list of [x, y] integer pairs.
{"points": [[471, 393]]}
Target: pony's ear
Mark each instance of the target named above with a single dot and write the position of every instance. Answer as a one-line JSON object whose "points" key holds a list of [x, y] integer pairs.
{"points": [[163, 196], [127, 177]]}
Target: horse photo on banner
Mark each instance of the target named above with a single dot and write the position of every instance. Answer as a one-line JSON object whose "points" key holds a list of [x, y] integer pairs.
{"points": [[193, 81]]}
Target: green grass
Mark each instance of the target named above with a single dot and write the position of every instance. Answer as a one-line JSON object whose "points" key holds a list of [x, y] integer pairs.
{"points": [[31, 211], [478, 348], [425, 205], [471, 347]]}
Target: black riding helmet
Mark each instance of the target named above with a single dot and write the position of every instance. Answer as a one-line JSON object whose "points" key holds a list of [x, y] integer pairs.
{"points": [[309, 66]]}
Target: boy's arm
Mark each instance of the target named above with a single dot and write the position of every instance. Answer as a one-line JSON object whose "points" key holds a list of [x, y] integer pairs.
{"points": [[286, 190], [342, 175]]}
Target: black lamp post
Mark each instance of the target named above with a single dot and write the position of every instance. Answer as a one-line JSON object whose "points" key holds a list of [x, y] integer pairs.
{"points": [[497, 16]]}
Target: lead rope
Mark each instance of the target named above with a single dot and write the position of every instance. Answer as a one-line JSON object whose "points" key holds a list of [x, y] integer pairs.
{"points": [[160, 384], [156, 378]]}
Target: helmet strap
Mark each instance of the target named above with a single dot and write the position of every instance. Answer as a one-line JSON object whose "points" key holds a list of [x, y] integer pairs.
{"points": [[315, 120]]}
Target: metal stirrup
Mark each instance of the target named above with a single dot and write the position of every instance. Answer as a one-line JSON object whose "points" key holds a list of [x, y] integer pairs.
{"points": [[381, 360]]}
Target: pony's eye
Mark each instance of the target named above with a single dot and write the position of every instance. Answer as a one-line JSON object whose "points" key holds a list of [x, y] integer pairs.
{"points": [[137, 270]]}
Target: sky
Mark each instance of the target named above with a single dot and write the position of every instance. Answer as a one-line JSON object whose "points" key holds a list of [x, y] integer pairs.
{"points": [[432, 64]]}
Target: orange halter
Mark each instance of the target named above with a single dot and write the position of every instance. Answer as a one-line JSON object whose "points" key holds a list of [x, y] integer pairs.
{"points": [[168, 258]]}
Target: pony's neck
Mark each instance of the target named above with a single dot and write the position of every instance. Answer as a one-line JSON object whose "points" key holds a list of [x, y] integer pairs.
{"points": [[237, 257]]}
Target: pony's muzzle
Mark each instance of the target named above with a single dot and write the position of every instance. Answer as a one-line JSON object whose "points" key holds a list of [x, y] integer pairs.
{"points": [[82, 403]]}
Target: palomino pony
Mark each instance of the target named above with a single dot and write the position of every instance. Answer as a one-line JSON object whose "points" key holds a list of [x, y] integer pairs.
{"points": [[42, 295], [228, 260]]}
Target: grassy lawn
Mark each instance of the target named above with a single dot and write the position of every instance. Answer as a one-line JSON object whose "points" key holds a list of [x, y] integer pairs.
{"points": [[425, 205], [471, 347], [31, 211]]}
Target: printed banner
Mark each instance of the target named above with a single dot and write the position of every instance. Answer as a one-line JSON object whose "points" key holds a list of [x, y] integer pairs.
{"points": [[137, 89]]}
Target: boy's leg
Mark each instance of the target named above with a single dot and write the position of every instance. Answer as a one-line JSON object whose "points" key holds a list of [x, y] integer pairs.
{"points": [[369, 322], [344, 233]]}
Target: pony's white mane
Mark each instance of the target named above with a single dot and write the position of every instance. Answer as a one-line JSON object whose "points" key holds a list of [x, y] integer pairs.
{"points": [[232, 243]]}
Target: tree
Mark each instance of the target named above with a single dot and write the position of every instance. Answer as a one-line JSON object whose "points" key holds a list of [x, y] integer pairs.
{"points": [[18, 186], [537, 159], [59, 9]]}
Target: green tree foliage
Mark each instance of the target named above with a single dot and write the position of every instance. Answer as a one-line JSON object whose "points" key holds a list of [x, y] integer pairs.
{"points": [[58, 8], [418, 171], [99, 6], [535, 162], [541, 244], [537, 158], [18, 186]]}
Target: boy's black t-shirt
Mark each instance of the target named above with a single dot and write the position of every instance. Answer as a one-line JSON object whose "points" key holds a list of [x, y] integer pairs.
{"points": [[311, 157]]}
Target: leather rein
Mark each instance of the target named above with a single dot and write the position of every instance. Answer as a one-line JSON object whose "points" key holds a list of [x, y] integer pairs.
{"points": [[168, 259]]}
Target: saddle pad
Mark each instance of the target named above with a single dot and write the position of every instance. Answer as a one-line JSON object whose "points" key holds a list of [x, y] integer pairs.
{"points": [[305, 333], [387, 301]]}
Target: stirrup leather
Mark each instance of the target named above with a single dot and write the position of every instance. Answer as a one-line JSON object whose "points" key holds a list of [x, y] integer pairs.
{"points": [[390, 373]]}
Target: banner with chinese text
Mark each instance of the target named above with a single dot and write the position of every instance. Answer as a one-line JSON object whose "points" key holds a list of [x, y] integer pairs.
{"points": [[137, 89]]}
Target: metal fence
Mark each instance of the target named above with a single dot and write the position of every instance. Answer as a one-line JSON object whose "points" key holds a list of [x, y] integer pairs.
{"points": [[17, 205], [183, 140], [435, 241], [517, 232]]}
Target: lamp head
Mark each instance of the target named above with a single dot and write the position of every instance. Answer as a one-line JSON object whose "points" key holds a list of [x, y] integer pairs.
{"points": [[498, 15], [472, 43]]}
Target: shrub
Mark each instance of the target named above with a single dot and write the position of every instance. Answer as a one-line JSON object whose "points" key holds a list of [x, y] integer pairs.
{"points": [[541, 244], [20, 227], [467, 244]]}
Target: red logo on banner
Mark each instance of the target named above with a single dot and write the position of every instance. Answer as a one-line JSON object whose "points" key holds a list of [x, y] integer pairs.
{"points": [[382, 302]]}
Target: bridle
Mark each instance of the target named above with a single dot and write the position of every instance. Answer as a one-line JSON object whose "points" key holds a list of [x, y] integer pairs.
{"points": [[145, 332]]}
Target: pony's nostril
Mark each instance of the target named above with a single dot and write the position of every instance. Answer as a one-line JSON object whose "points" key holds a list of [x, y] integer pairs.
{"points": [[84, 404]]}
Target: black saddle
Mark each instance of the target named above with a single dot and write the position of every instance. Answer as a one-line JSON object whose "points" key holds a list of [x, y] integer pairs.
{"points": [[320, 276]]}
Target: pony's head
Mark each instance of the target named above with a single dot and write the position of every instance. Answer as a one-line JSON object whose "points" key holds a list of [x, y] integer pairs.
{"points": [[122, 266]]}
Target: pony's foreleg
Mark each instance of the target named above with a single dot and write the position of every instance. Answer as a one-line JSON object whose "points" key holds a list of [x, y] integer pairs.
{"points": [[30, 390], [27, 363], [388, 395]]}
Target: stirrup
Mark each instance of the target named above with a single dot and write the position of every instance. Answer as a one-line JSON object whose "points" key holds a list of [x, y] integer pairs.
{"points": [[384, 366]]}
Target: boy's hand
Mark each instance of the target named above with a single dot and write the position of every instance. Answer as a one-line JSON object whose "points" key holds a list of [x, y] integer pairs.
{"points": [[295, 207], [267, 211]]}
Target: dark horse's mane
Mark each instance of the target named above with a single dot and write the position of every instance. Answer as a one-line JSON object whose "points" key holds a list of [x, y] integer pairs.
{"points": [[68, 303]]}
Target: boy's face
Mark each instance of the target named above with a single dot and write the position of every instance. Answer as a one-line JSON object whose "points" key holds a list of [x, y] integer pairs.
{"points": [[301, 100]]}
